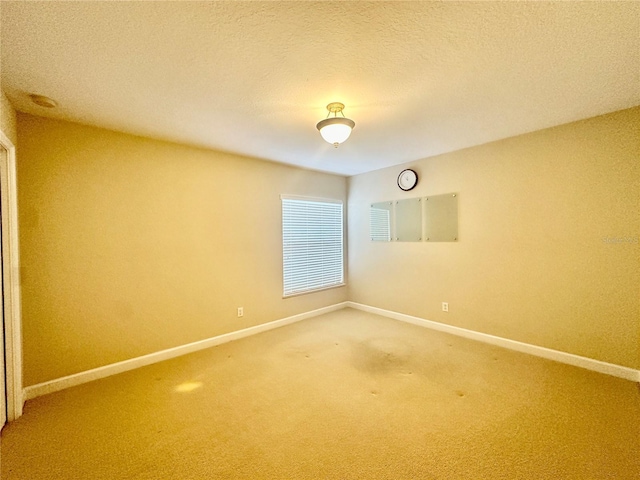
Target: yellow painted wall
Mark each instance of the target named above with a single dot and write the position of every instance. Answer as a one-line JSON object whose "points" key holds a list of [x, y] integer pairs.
{"points": [[7, 119], [548, 252], [130, 245]]}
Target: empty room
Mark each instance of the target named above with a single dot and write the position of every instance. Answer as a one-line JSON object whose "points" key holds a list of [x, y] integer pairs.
{"points": [[320, 240]]}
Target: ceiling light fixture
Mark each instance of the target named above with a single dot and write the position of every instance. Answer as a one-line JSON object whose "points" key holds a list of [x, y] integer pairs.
{"points": [[335, 130]]}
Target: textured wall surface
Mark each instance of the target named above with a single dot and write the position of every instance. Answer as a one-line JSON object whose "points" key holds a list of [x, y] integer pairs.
{"points": [[548, 240], [8, 119], [130, 246]]}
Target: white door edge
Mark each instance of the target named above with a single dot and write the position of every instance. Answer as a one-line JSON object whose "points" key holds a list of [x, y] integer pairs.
{"points": [[11, 279]]}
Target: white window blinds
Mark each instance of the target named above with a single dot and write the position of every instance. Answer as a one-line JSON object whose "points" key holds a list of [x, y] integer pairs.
{"points": [[311, 245]]}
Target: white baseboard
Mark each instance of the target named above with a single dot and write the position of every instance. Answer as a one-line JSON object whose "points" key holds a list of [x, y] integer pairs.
{"points": [[55, 385], [51, 386], [562, 357]]}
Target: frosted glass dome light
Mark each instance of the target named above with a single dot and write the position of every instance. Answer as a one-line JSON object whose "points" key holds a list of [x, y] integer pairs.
{"points": [[335, 130]]}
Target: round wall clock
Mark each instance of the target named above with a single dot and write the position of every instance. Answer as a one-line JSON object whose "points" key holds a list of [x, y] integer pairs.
{"points": [[407, 179]]}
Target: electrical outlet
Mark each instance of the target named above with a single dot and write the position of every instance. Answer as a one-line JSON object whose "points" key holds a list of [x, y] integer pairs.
{"points": [[445, 307], [240, 311]]}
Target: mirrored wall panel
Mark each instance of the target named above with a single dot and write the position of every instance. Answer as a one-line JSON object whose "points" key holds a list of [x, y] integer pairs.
{"points": [[441, 218], [380, 220], [409, 220]]}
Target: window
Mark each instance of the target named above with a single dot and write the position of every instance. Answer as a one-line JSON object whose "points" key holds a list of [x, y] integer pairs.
{"points": [[311, 245]]}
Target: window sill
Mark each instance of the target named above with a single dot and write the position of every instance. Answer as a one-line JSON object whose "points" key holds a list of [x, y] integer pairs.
{"points": [[306, 292]]}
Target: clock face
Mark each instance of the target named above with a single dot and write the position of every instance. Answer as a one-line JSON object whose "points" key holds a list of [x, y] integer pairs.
{"points": [[407, 179]]}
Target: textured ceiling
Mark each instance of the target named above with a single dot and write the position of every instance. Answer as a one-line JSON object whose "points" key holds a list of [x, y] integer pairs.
{"points": [[418, 78]]}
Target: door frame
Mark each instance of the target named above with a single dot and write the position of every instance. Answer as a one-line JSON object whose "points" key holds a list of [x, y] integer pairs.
{"points": [[11, 279]]}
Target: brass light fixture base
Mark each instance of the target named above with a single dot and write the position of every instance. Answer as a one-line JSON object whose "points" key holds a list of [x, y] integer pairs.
{"points": [[335, 107]]}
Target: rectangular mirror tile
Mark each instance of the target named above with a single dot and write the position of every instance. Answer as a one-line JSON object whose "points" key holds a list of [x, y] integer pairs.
{"points": [[380, 221], [409, 220], [441, 218]]}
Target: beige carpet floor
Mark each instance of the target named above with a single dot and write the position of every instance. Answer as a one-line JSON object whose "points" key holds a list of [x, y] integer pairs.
{"points": [[348, 395]]}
